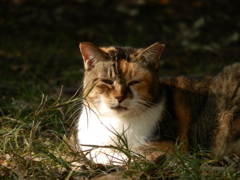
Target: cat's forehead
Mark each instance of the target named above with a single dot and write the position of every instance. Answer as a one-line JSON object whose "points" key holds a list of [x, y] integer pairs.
{"points": [[121, 71], [121, 61], [121, 53]]}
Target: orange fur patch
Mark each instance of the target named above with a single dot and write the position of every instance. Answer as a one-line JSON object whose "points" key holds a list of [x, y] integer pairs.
{"points": [[183, 121], [107, 49]]}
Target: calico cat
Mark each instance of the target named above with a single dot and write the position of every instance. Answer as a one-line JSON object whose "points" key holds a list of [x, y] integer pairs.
{"points": [[124, 97]]}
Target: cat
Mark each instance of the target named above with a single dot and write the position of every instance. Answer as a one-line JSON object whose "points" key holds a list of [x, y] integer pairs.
{"points": [[124, 99]]}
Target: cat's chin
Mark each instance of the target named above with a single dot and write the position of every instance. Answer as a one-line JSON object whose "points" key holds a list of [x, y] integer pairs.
{"points": [[120, 111], [119, 108]]}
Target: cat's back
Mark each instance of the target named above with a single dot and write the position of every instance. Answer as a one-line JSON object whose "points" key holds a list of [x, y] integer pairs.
{"points": [[186, 94], [199, 106], [228, 77], [227, 81], [197, 84], [192, 92]]}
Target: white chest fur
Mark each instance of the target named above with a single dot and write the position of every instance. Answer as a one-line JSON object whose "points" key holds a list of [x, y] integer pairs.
{"points": [[99, 129]]}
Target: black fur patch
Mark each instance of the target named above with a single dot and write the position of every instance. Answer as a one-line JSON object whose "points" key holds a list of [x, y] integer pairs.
{"points": [[121, 53]]}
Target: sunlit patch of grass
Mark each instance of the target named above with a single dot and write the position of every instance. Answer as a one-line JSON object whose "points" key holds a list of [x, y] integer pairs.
{"points": [[31, 141], [37, 141]]}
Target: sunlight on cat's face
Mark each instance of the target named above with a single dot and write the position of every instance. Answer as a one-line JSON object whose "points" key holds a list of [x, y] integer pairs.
{"points": [[126, 93], [120, 80]]}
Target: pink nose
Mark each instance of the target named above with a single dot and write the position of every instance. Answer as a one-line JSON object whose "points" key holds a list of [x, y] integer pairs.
{"points": [[119, 98]]}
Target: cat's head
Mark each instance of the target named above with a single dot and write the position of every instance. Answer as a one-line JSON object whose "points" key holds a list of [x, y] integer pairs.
{"points": [[121, 80]]}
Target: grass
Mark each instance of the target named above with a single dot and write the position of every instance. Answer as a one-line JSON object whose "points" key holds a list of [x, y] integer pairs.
{"points": [[39, 53], [38, 122], [31, 137], [37, 142]]}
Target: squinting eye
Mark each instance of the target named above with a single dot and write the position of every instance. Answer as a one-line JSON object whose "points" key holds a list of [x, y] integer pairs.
{"points": [[107, 81], [133, 82]]}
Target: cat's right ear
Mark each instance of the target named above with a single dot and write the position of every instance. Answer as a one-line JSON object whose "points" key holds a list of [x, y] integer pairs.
{"points": [[90, 54]]}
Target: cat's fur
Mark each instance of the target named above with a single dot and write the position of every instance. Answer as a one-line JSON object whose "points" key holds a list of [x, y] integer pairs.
{"points": [[124, 97]]}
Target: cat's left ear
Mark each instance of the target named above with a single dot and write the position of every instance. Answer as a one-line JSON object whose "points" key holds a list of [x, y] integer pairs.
{"points": [[151, 55], [91, 54]]}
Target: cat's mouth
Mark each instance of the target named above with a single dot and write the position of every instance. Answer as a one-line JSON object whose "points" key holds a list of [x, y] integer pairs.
{"points": [[119, 108]]}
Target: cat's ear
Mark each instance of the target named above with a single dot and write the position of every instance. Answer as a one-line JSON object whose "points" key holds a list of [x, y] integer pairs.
{"points": [[90, 54], [151, 55]]}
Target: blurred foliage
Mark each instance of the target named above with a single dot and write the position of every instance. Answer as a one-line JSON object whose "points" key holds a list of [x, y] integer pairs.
{"points": [[39, 38]]}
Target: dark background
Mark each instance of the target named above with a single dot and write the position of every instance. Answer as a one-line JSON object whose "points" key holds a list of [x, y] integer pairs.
{"points": [[39, 38]]}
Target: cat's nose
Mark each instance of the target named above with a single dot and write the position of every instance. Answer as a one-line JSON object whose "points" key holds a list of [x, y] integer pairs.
{"points": [[119, 98]]}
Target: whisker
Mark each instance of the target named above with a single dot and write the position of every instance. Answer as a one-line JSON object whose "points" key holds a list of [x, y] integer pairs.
{"points": [[147, 102], [153, 104], [146, 109]]}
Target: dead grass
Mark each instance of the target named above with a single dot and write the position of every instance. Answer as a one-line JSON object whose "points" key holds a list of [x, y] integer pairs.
{"points": [[37, 142]]}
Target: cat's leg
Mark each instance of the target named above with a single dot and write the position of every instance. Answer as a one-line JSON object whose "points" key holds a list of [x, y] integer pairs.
{"points": [[225, 142], [231, 152], [182, 112], [152, 150], [231, 155], [234, 137], [226, 89]]}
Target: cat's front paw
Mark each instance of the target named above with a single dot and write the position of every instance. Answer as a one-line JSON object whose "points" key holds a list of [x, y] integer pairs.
{"points": [[153, 155], [153, 150], [109, 158]]}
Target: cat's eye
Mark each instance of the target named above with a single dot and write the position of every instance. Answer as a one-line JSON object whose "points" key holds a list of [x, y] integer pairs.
{"points": [[107, 81], [133, 82]]}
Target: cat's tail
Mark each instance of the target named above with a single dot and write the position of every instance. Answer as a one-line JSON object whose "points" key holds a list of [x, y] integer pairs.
{"points": [[225, 88]]}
